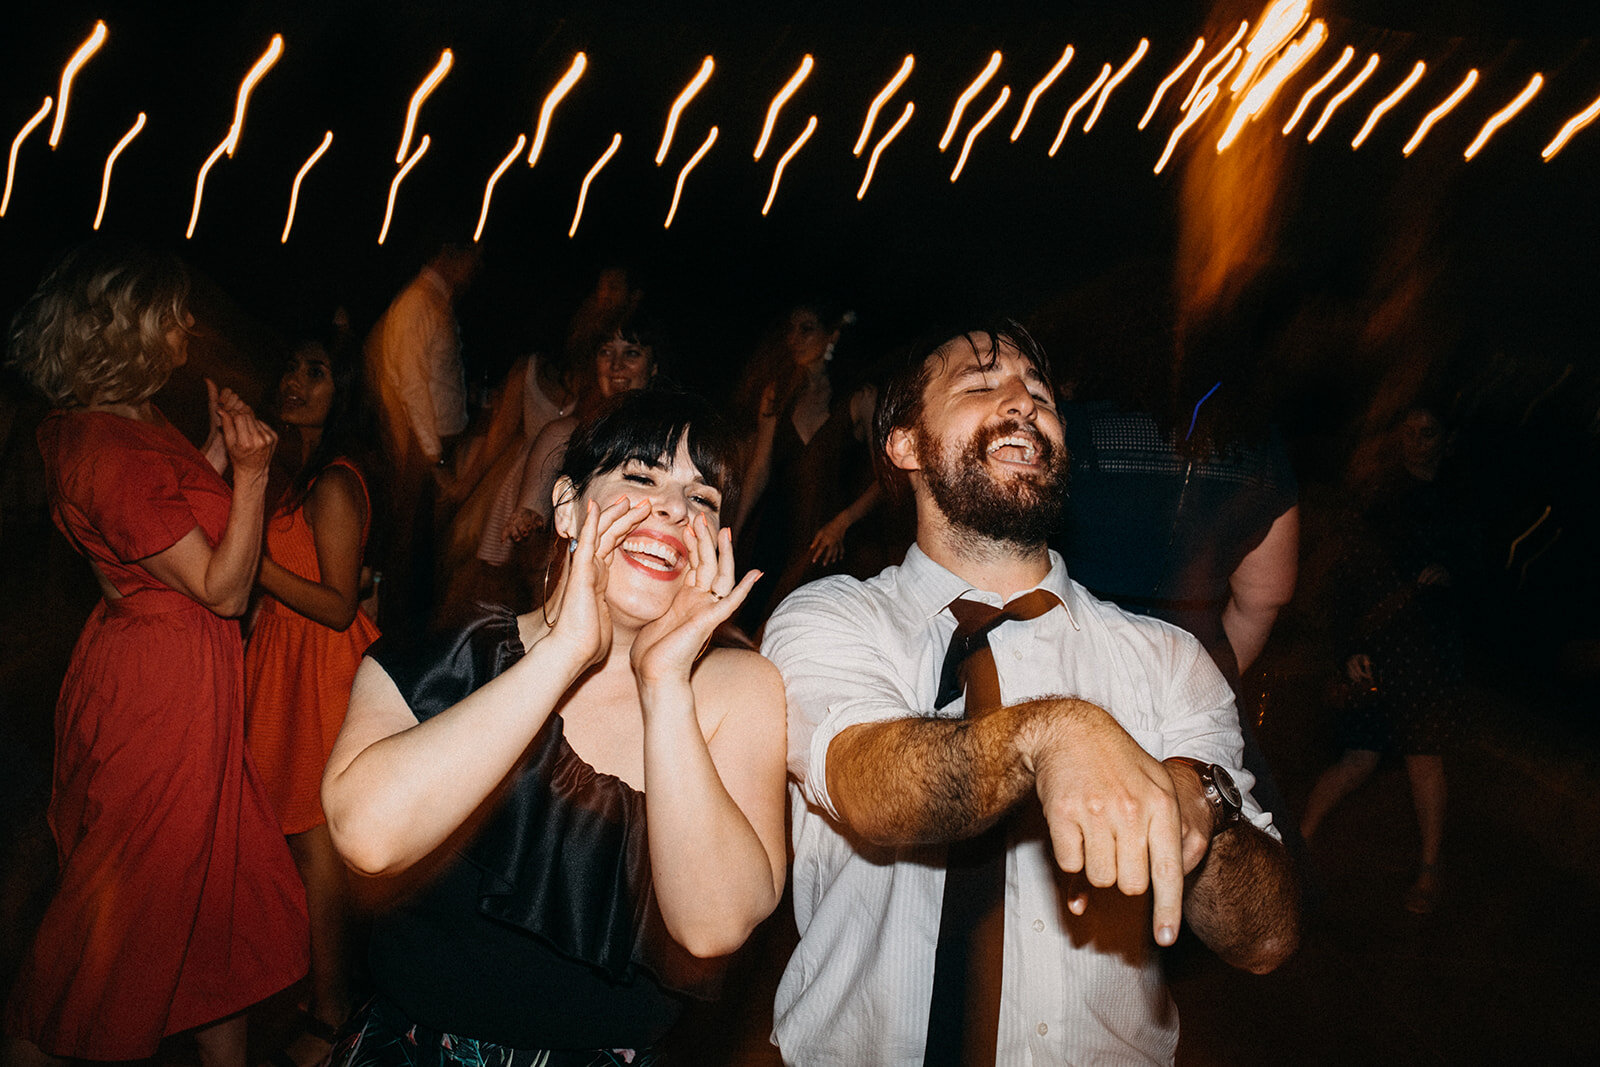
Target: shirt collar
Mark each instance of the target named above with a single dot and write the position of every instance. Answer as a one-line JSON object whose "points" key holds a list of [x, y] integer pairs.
{"points": [[932, 587]]}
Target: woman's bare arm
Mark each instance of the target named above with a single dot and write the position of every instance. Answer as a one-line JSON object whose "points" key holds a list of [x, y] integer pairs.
{"points": [[336, 512]]}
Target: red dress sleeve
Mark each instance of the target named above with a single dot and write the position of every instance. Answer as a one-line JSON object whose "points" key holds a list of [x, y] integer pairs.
{"points": [[136, 501]]}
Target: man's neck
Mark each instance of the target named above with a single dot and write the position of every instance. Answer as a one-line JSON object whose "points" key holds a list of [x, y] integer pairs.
{"points": [[992, 566]]}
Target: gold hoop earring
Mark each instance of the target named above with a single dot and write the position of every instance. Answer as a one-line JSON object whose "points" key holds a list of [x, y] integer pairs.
{"points": [[544, 588]]}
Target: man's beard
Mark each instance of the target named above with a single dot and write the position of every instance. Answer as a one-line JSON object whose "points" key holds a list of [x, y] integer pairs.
{"points": [[1020, 511]]}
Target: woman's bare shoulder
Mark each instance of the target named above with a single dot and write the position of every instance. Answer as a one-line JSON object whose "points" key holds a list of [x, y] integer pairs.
{"points": [[736, 681]]}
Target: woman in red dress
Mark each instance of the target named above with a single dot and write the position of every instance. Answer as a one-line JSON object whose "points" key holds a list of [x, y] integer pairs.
{"points": [[178, 905]]}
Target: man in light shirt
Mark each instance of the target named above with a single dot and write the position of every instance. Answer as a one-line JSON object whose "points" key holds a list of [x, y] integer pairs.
{"points": [[1109, 763]]}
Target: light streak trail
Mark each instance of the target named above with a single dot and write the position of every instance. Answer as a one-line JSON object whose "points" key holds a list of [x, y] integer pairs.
{"points": [[677, 192], [1116, 79], [1388, 102], [1038, 91], [242, 101], [1316, 88], [872, 162], [79, 58], [105, 178], [583, 190], [1441, 111], [394, 186], [1205, 71], [548, 108], [1525, 534], [977, 128], [1504, 115], [16, 144], [428, 85], [966, 98], [696, 83], [1207, 97], [1167, 82], [1281, 22], [1342, 95], [488, 188], [878, 101], [1193, 419], [788, 90], [1078, 105], [1574, 124], [1262, 92], [783, 161], [300, 176]]}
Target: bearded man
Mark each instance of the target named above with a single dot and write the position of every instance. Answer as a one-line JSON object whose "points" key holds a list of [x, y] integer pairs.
{"points": [[1006, 793]]}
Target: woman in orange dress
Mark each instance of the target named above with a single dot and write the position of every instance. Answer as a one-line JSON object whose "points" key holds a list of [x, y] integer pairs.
{"points": [[178, 906]]}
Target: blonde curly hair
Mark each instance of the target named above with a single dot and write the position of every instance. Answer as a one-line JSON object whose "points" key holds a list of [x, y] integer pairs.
{"points": [[96, 329]]}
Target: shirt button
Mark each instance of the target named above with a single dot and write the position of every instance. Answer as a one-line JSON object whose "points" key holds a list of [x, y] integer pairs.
{"points": [[1043, 1029], [1038, 925], [1016, 653]]}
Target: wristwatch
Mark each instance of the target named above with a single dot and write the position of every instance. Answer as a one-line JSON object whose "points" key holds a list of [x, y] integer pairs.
{"points": [[1221, 793]]}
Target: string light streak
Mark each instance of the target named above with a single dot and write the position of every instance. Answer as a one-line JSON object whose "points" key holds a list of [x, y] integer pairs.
{"points": [[1504, 115], [394, 186], [1281, 22], [1078, 105], [230, 143], [1389, 101], [1116, 79], [872, 162], [428, 85], [778, 101], [966, 98], [79, 58], [200, 186], [1316, 88], [583, 190], [16, 145], [1262, 92], [1574, 124], [695, 85], [878, 101], [677, 192], [548, 108], [488, 187], [1038, 91], [1205, 72], [977, 128], [105, 177], [1167, 82], [1207, 97], [1342, 95], [1441, 111], [300, 176], [783, 161]]}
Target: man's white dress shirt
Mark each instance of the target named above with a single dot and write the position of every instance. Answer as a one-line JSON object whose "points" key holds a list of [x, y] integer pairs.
{"points": [[418, 365]]}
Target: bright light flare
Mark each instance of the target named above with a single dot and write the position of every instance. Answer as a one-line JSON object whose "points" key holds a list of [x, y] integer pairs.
{"points": [[1261, 93], [1116, 79], [1078, 105], [200, 186], [548, 108], [783, 161], [68, 72], [242, 101], [394, 186], [878, 101], [300, 176], [696, 83], [1316, 88], [1389, 101], [872, 162], [583, 190], [677, 192], [1038, 91], [1281, 22], [488, 187], [16, 145], [105, 177], [1574, 124], [1205, 72], [977, 128], [1504, 115], [1207, 97], [788, 90], [1441, 111], [429, 84], [1342, 95], [966, 98], [1167, 82]]}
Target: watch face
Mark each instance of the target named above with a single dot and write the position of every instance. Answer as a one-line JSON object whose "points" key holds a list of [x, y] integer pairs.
{"points": [[1225, 786]]}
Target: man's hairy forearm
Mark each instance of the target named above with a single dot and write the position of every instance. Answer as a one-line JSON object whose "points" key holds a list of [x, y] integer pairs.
{"points": [[1243, 900]]}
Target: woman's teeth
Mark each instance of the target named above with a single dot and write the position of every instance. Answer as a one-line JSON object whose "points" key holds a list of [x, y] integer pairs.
{"points": [[655, 554]]}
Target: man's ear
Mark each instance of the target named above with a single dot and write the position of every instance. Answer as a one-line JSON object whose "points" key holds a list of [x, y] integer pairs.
{"points": [[564, 510], [901, 448]]}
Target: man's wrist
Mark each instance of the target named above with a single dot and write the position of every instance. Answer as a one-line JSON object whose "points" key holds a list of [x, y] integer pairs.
{"points": [[1221, 797]]}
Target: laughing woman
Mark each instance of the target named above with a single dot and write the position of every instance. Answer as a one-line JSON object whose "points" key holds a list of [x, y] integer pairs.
{"points": [[590, 803]]}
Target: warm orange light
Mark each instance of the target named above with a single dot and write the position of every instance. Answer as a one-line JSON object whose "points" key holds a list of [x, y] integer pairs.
{"points": [[79, 58], [300, 176], [1504, 115], [16, 144], [1205, 72], [200, 186], [1316, 88], [783, 161], [696, 83], [394, 186], [105, 177], [1038, 91], [488, 187], [256, 73], [1207, 97], [1574, 124], [778, 101], [1441, 111], [872, 162], [1281, 22], [966, 98], [1388, 102], [429, 84], [677, 192], [1116, 79], [1078, 105], [583, 190], [1166, 83], [548, 108], [977, 128], [1267, 86], [1344, 94], [878, 101]]}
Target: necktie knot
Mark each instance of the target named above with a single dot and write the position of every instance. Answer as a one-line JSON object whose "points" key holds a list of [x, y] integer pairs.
{"points": [[968, 654]]}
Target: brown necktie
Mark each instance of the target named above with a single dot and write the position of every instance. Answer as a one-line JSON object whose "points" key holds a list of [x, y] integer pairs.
{"points": [[964, 1010]]}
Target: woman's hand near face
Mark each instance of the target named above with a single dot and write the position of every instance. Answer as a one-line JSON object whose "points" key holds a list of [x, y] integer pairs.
{"points": [[667, 648], [249, 441], [214, 449], [580, 619]]}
